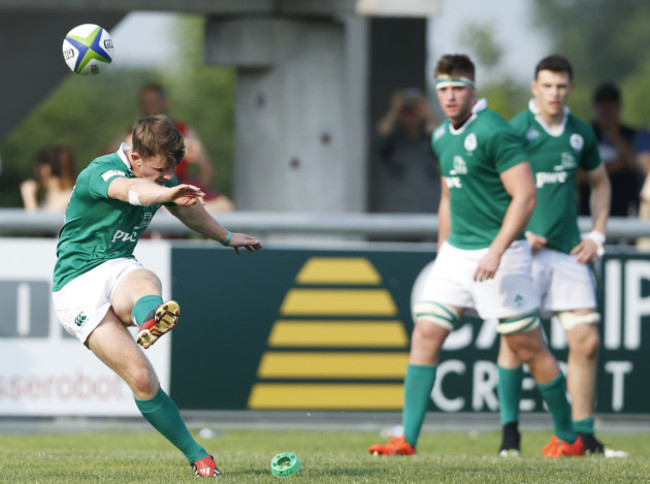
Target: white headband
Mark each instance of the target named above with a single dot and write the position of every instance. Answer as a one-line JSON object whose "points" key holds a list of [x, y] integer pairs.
{"points": [[448, 81]]}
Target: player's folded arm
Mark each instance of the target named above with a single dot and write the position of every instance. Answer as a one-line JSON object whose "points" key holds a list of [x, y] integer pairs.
{"points": [[135, 191]]}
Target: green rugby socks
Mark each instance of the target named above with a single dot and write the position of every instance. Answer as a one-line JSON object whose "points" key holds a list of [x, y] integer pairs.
{"points": [[509, 392], [163, 414], [554, 393], [584, 426], [418, 384], [144, 309]]}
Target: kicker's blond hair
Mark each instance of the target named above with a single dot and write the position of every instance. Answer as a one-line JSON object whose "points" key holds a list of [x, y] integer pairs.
{"points": [[157, 135]]}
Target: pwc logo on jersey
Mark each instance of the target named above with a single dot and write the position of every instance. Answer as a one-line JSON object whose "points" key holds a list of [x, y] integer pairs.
{"points": [[559, 175], [460, 168], [122, 236], [543, 178]]}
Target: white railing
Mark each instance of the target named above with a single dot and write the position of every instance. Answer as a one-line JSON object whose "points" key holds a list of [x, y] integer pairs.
{"points": [[14, 222]]}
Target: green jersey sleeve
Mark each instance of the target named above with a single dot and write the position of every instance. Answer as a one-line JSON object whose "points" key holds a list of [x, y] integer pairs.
{"points": [[520, 123], [507, 149], [100, 177]]}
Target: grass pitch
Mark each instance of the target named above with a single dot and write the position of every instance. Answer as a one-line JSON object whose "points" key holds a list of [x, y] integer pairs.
{"points": [[327, 457]]}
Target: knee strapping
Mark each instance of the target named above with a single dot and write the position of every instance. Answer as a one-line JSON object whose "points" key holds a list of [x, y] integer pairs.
{"points": [[571, 320], [437, 313], [518, 324]]}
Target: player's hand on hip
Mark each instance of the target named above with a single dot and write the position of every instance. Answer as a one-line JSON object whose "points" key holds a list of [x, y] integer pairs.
{"points": [[536, 242], [585, 251], [244, 241], [186, 195], [487, 267]]}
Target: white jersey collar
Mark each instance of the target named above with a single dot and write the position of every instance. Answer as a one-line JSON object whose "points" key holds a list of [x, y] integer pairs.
{"points": [[533, 109], [479, 106], [121, 152]]}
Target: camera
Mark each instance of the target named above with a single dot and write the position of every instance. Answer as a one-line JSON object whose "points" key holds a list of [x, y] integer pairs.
{"points": [[411, 94]]}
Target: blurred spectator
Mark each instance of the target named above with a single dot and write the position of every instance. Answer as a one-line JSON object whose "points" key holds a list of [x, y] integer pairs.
{"points": [[642, 151], [153, 100], [616, 147], [409, 172], [55, 176]]}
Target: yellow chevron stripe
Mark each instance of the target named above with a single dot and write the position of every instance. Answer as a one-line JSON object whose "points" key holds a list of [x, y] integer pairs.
{"points": [[338, 302], [366, 334], [280, 396], [311, 365], [338, 270]]}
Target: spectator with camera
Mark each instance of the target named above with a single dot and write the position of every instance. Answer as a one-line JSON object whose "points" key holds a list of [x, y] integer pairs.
{"points": [[408, 169]]}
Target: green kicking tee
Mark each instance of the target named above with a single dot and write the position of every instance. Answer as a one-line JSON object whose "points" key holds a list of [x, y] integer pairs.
{"points": [[98, 228], [472, 159], [555, 158]]}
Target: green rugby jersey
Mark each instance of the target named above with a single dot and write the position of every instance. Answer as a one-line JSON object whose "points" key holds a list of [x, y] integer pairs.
{"points": [[555, 159], [472, 158], [98, 228]]}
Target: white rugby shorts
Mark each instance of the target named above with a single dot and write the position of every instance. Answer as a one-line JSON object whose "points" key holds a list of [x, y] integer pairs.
{"points": [[561, 283], [84, 301], [510, 293]]}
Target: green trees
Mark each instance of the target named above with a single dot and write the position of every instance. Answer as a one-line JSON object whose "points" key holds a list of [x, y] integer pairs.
{"points": [[91, 113], [605, 41]]}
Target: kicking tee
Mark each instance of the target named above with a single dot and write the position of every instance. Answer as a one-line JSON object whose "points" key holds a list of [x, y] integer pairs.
{"points": [[471, 159], [555, 158], [98, 228]]}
